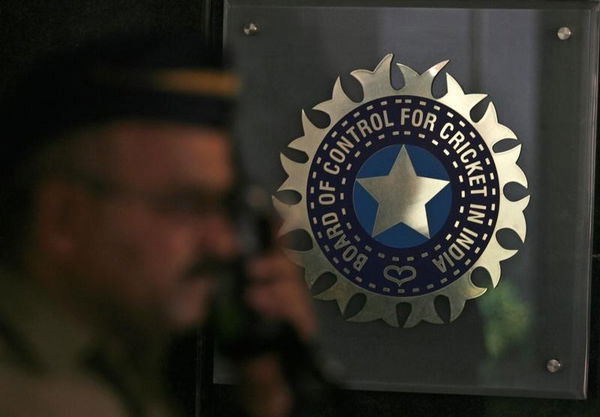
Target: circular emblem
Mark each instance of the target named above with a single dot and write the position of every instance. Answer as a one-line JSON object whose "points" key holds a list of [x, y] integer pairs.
{"points": [[403, 195]]}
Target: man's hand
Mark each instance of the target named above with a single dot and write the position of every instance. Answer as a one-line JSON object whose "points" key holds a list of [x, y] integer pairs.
{"points": [[276, 291]]}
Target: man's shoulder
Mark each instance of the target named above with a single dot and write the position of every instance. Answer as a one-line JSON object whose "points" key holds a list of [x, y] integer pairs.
{"points": [[40, 361], [34, 328], [27, 393]]}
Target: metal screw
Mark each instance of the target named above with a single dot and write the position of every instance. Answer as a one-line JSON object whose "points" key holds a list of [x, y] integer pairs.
{"points": [[250, 29], [564, 33], [553, 366]]}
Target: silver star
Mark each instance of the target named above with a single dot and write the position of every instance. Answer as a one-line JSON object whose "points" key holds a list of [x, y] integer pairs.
{"points": [[402, 196]]}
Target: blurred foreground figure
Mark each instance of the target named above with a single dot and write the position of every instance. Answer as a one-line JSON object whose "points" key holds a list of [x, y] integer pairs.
{"points": [[115, 227]]}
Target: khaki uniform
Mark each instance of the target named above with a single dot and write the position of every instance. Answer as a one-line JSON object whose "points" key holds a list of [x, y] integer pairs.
{"points": [[54, 367]]}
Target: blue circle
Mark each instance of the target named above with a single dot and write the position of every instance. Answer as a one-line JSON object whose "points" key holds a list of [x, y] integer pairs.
{"points": [[462, 216], [438, 208]]}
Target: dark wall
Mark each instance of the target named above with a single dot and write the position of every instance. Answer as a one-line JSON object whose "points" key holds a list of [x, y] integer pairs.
{"points": [[30, 28]]}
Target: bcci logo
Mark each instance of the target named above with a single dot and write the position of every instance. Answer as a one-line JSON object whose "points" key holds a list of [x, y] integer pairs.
{"points": [[403, 195]]}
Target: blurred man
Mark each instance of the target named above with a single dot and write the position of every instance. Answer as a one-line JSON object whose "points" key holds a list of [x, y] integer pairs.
{"points": [[117, 171]]}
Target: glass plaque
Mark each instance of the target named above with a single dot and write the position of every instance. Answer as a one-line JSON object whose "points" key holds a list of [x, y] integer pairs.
{"points": [[520, 87]]}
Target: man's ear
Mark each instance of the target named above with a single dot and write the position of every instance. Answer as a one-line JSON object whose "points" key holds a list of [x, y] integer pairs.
{"points": [[60, 219]]}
